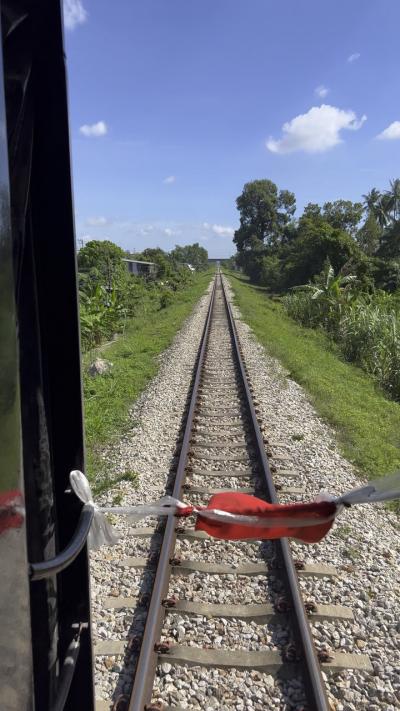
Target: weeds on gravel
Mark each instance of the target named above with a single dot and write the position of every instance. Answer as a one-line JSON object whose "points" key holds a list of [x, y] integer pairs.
{"points": [[343, 532], [135, 359], [104, 480], [367, 423]]}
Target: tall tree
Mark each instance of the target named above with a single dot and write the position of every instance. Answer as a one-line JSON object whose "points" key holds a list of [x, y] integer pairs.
{"points": [[264, 213], [371, 200], [393, 199], [382, 211], [369, 235]]}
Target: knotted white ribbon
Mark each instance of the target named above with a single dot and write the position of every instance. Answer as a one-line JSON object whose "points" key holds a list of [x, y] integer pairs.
{"points": [[101, 531]]}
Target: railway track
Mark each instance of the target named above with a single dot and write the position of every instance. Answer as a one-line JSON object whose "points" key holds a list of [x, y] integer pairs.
{"points": [[223, 448]]}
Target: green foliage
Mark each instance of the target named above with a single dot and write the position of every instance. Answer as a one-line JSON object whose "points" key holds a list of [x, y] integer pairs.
{"points": [[264, 213], [109, 295], [278, 252], [343, 215], [166, 299], [100, 263], [322, 303], [367, 423], [366, 327], [229, 263], [389, 247], [314, 244], [109, 397], [191, 254], [369, 235]]}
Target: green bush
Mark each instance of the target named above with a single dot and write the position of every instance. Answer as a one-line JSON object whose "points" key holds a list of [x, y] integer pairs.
{"points": [[366, 327], [109, 295], [166, 299]]}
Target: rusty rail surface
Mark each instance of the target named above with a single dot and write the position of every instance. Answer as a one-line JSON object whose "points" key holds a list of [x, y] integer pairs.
{"points": [[148, 657]]}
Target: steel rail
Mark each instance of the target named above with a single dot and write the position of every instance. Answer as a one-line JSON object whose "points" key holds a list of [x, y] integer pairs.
{"points": [[313, 679], [147, 661]]}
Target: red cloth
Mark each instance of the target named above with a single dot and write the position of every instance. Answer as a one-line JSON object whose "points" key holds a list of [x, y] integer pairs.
{"points": [[246, 505], [10, 516]]}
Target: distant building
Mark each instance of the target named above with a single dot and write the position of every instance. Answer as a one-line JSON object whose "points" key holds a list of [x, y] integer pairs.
{"points": [[139, 268]]}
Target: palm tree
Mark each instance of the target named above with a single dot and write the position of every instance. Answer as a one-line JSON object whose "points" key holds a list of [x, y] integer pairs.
{"points": [[381, 210], [393, 198], [371, 199]]}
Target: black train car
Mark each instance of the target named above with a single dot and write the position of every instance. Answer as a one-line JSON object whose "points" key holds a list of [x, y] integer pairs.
{"points": [[45, 645]]}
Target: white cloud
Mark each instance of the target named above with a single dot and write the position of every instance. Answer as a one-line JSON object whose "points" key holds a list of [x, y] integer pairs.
{"points": [[93, 221], [223, 230], [354, 57], [74, 13], [391, 132], [220, 230], [316, 131], [94, 130], [321, 91], [169, 232], [169, 180]]}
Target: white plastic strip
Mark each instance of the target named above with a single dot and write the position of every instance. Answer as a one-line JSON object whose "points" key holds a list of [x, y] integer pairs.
{"points": [[383, 489]]}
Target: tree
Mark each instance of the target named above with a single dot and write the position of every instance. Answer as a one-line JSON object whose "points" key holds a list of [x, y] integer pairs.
{"points": [[390, 242], [382, 211], [393, 199], [102, 265], [191, 254], [369, 235], [264, 213], [313, 246], [159, 257], [313, 212], [343, 215], [371, 200]]}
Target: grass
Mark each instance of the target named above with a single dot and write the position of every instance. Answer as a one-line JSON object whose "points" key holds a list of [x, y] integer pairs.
{"points": [[108, 398], [367, 424]]}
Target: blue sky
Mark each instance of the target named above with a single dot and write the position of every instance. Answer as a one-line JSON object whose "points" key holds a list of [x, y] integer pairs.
{"points": [[175, 104]]}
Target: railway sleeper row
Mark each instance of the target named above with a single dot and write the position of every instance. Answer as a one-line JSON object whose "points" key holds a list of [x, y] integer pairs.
{"points": [[222, 448]]}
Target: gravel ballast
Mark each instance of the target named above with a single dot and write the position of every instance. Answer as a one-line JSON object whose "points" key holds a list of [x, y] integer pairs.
{"points": [[363, 546]]}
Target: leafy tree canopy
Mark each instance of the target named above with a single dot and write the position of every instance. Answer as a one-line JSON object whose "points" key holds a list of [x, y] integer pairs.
{"points": [[191, 254], [343, 214], [369, 235], [340, 214], [101, 260], [314, 245], [264, 213]]}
